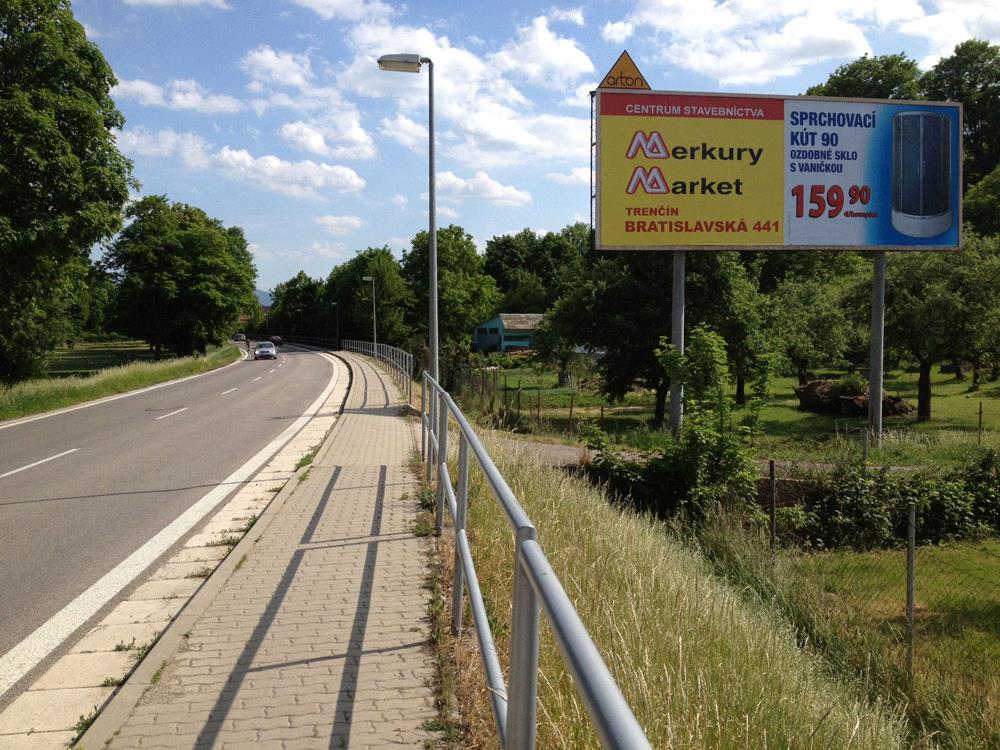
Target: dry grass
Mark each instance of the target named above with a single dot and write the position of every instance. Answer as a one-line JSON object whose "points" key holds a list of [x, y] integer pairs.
{"points": [[700, 667]]}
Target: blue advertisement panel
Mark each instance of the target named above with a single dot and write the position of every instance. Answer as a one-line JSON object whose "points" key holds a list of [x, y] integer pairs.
{"points": [[872, 175]]}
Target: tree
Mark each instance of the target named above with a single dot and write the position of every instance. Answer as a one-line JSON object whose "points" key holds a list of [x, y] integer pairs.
{"points": [[814, 329], [943, 306], [881, 77], [347, 292], [296, 305], [62, 180], [466, 295], [617, 305], [972, 76], [530, 270], [183, 278], [981, 206]]}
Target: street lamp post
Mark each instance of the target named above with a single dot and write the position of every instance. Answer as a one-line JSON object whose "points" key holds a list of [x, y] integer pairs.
{"points": [[374, 335], [410, 63]]}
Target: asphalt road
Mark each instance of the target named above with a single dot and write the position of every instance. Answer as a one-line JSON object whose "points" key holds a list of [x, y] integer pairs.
{"points": [[82, 490]]}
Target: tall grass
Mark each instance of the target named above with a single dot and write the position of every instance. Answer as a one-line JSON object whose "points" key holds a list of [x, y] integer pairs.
{"points": [[35, 396], [700, 665]]}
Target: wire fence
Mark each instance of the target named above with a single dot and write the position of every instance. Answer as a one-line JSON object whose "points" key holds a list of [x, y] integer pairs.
{"points": [[922, 619]]}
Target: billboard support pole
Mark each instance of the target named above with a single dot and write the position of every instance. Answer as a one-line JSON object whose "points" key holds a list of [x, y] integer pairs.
{"points": [[875, 359], [677, 339]]}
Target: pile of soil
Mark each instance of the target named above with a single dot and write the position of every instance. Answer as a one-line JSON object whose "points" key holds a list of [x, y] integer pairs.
{"points": [[824, 397]]}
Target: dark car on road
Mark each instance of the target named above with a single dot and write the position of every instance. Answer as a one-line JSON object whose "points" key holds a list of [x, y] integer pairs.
{"points": [[265, 350], [276, 340]]}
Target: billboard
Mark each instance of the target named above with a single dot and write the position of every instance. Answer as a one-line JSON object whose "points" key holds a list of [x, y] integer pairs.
{"points": [[679, 171]]}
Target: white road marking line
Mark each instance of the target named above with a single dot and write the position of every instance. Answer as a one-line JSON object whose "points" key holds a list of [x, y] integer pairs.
{"points": [[28, 653], [229, 391], [270, 372], [257, 378], [172, 413], [37, 463]]}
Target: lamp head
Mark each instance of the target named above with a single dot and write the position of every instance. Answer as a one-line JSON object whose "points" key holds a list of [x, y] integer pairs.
{"points": [[368, 278], [400, 63]]}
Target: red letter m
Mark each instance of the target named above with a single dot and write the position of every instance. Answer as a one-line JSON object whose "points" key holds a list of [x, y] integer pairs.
{"points": [[650, 181], [651, 145]]}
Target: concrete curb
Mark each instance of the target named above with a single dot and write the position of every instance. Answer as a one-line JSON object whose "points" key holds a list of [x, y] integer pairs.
{"points": [[113, 713]]}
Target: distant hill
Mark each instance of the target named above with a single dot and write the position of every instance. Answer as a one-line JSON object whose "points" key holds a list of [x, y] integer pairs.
{"points": [[263, 297]]}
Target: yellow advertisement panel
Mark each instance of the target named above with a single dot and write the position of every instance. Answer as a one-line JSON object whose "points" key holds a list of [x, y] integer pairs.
{"points": [[690, 170]]}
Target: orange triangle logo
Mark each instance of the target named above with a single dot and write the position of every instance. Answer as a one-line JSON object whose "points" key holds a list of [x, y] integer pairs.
{"points": [[624, 75]]}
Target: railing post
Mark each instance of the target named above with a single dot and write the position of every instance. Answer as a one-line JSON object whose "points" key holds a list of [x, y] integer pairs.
{"points": [[442, 458], [431, 430], [423, 419], [522, 693], [462, 499]]}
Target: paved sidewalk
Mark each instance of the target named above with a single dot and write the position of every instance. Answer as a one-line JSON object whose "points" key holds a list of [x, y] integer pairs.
{"points": [[319, 638]]}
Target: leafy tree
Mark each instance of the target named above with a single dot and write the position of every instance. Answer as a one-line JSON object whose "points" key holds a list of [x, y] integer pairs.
{"points": [[466, 295], [296, 306], [981, 206], [553, 345], [972, 76], [184, 279], [943, 306], [814, 327], [345, 287], [893, 76], [62, 180], [530, 270], [617, 305]]}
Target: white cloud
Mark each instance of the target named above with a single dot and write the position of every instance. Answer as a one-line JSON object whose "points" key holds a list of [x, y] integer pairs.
{"points": [[953, 22], [570, 15], [266, 65], [543, 58], [340, 224], [756, 41], [480, 187], [188, 94], [576, 176], [616, 32], [350, 10], [405, 131], [146, 93], [483, 119], [333, 250], [319, 139], [580, 96], [447, 212], [400, 200], [178, 94], [221, 4], [301, 179]]}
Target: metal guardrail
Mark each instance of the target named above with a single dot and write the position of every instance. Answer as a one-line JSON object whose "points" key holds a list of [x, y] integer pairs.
{"points": [[398, 362], [536, 588]]}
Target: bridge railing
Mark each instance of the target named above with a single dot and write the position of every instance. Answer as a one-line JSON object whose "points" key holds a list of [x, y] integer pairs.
{"points": [[398, 362], [536, 589]]}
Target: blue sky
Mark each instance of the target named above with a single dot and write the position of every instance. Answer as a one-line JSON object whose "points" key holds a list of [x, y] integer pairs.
{"points": [[272, 115]]}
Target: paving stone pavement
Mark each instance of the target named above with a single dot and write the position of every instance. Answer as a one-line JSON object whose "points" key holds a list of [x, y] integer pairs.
{"points": [[320, 639]]}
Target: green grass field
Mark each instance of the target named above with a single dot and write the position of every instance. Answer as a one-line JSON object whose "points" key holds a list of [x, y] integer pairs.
{"points": [[956, 620], [787, 432], [46, 394], [88, 358]]}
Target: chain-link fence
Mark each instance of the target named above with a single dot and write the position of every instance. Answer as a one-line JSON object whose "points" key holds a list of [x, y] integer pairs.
{"points": [[916, 620]]}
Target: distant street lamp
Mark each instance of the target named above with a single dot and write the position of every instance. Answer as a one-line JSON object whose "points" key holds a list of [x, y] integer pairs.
{"points": [[338, 323], [374, 337], [410, 63]]}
